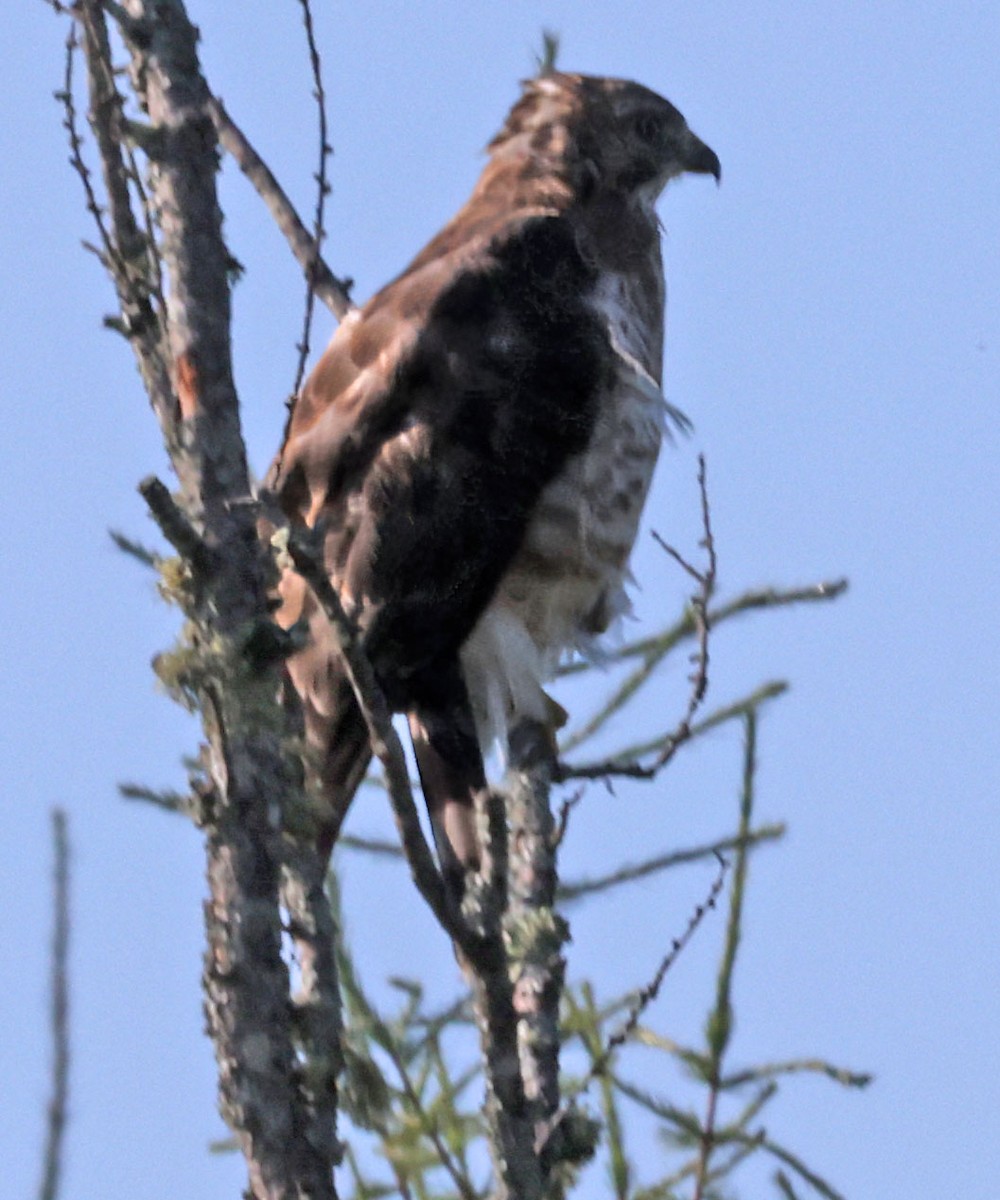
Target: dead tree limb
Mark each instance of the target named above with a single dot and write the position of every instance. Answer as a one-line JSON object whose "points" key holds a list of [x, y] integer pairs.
{"points": [[285, 1122]]}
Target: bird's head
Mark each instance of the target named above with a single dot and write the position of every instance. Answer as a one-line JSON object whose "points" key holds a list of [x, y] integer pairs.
{"points": [[640, 141], [613, 133]]}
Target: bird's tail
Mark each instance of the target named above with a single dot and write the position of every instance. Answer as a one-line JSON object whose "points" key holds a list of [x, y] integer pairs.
{"points": [[446, 747], [442, 728], [338, 749]]}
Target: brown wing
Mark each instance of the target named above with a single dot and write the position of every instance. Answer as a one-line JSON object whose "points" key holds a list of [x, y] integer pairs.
{"points": [[421, 443]]}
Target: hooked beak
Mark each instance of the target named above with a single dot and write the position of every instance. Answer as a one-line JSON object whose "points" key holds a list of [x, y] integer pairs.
{"points": [[701, 159]]}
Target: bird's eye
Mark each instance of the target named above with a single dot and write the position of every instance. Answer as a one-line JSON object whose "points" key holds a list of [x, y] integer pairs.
{"points": [[648, 128]]}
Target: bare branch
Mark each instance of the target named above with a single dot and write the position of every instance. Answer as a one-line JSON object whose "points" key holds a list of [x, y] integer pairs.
{"points": [[59, 1010], [134, 549], [625, 763], [648, 994], [107, 120], [322, 191], [207, 449], [126, 252], [174, 525], [319, 232], [663, 862], [699, 615], [284, 1120], [334, 292], [660, 644], [108, 254], [720, 1020]]}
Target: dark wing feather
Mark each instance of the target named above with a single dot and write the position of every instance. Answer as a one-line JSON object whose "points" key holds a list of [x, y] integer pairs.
{"points": [[421, 443], [428, 462]]}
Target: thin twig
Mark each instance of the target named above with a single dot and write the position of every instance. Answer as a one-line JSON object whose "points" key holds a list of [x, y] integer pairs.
{"points": [[619, 1167], [659, 644], [149, 224], [322, 191], [817, 1182], [135, 549], [706, 1142], [106, 115], [626, 764], [108, 255], [644, 997], [699, 612], [720, 1021], [793, 1066], [458, 1177], [319, 232], [334, 292], [167, 799], [379, 847], [56, 1125], [380, 1031], [785, 1186], [126, 251], [700, 623], [633, 871]]}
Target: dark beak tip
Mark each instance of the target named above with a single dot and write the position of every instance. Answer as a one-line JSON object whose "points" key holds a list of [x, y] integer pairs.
{"points": [[713, 167], [704, 161]]}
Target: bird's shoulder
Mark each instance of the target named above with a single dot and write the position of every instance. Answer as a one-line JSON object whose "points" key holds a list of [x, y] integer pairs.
{"points": [[497, 291]]}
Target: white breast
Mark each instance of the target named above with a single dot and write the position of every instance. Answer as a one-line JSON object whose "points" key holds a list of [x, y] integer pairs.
{"points": [[566, 585]]}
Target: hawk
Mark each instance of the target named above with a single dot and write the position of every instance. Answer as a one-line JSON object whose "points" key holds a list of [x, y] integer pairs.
{"points": [[476, 443]]}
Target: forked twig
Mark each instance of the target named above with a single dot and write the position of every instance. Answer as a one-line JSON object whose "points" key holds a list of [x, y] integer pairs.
{"points": [[699, 610], [654, 647], [626, 763]]}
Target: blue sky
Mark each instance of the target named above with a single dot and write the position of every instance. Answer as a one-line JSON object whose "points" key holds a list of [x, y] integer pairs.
{"points": [[833, 332]]}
